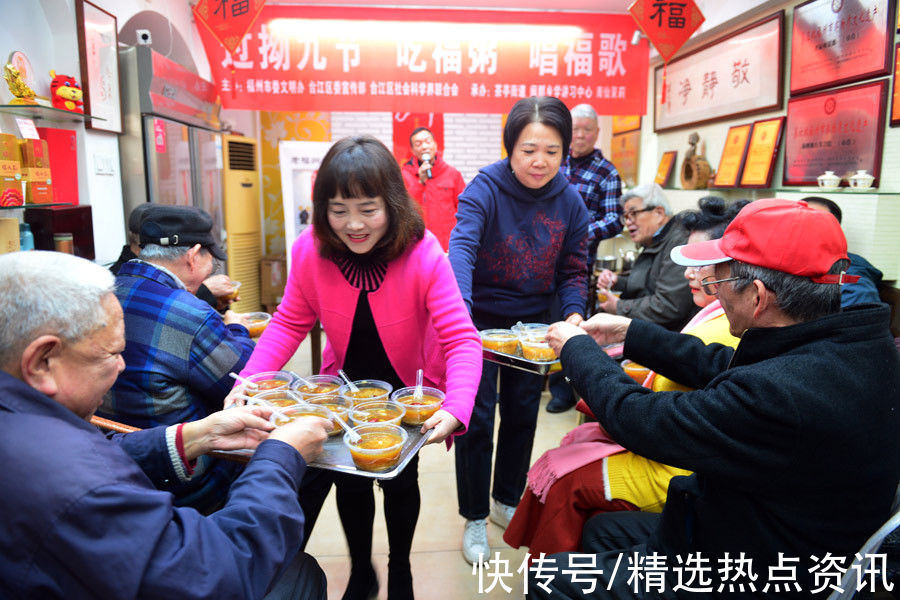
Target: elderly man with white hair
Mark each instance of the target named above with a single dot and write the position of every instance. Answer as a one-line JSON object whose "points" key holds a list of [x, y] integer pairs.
{"points": [[655, 290], [88, 517]]}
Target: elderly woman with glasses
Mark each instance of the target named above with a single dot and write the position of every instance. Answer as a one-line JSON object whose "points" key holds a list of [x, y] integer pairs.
{"points": [[655, 289]]}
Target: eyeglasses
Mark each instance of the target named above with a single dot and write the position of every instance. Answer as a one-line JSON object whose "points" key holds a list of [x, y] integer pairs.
{"points": [[632, 214], [711, 288]]}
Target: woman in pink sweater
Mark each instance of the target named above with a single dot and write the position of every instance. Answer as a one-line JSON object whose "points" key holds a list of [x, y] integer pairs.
{"points": [[389, 304]]}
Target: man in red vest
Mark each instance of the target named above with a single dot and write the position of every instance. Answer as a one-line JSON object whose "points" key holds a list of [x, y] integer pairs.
{"points": [[433, 183]]}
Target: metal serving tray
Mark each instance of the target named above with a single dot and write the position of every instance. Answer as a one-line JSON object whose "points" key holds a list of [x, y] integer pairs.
{"points": [[537, 367], [336, 457]]}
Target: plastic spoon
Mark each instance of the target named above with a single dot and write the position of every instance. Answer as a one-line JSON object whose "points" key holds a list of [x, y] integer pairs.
{"points": [[302, 381], [354, 437], [346, 379], [417, 394], [245, 381]]}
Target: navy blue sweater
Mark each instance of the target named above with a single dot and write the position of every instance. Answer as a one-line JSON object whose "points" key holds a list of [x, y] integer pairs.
{"points": [[512, 249]]}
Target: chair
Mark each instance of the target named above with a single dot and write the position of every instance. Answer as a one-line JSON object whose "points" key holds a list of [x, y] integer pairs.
{"points": [[851, 578], [110, 425]]}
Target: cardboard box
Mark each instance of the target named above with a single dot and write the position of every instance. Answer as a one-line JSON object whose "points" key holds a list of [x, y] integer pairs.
{"points": [[272, 278], [9, 235]]}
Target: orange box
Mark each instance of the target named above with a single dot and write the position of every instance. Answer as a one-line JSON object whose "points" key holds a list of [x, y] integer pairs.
{"points": [[36, 171], [10, 172]]}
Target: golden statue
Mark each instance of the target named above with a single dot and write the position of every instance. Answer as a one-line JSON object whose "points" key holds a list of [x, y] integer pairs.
{"points": [[23, 94]]}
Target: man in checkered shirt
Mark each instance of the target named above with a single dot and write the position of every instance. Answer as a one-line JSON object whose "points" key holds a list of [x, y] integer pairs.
{"points": [[597, 180]]}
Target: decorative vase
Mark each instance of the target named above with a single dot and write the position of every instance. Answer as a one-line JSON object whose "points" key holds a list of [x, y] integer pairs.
{"points": [[828, 180], [861, 180]]}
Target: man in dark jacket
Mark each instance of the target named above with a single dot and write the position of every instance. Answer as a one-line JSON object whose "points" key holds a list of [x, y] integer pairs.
{"points": [[655, 290], [86, 517], [792, 436]]}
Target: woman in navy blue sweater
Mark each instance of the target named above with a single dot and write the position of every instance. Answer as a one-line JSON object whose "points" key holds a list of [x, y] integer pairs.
{"points": [[520, 240]]}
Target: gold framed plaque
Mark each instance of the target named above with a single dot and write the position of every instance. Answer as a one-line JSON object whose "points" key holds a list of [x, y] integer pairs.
{"points": [[666, 164], [626, 149], [624, 124], [761, 153], [733, 154]]}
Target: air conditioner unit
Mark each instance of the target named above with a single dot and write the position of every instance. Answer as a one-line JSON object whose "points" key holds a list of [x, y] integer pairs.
{"points": [[243, 225]]}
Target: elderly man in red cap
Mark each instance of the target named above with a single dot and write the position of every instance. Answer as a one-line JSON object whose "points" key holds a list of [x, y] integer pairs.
{"points": [[792, 436]]}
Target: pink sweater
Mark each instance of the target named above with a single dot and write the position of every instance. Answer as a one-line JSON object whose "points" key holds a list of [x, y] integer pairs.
{"points": [[418, 311]]}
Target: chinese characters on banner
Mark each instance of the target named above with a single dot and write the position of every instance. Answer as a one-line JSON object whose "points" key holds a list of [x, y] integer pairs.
{"points": [[228, 20], [667, 24], [398, 60]]}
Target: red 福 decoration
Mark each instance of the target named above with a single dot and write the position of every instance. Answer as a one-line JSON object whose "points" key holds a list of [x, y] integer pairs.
{"points": [[228, 20], [667, 24]]}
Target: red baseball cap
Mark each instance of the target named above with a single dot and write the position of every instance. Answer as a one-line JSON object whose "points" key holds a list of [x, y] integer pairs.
{"points": [[782, 235]]}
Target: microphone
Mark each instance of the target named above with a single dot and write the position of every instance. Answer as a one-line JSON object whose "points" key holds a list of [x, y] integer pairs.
{"points": [[426, 158]]}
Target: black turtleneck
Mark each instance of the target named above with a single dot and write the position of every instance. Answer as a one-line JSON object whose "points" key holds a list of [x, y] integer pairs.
{"points": [[366, 357]]}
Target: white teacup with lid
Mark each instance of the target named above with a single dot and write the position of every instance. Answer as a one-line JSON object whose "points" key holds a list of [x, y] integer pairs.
{"points": [[828, 180], [862, 180]]}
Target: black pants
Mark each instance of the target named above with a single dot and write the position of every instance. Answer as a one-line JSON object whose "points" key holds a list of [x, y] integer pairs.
{"points": [[612, 539], [301, 579]]}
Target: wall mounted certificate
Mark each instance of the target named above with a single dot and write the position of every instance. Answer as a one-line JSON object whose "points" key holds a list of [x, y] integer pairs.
{"points": [[761, 153], [664, 171], [838, 130], [626, 148], [622, 124], [736, 75], [732, 160], [839, 41]]}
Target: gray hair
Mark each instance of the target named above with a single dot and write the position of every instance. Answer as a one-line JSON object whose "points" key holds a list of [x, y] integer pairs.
{"points": [[652, 195], [49, 293], [584, 111], [800, 298], [163, 254]]}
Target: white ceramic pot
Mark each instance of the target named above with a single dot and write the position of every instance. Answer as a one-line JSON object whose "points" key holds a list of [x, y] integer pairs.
{"points": [[861, 180], [828, 180]]}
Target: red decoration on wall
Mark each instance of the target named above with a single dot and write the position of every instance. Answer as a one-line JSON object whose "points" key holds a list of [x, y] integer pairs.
{"points": [[302, 58], [228, 20], [667, 25], [405, 123]]}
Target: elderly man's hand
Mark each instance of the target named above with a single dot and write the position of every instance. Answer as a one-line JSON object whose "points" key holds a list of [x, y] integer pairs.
{"points": [[230, 318], [306, 435], [560, 333], [606, 279], [220, 285], [234, 429], [607, 329], [612, 300]]}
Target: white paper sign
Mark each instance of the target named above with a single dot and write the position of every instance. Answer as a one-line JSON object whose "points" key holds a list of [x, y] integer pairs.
{"points": [[27, 129]]}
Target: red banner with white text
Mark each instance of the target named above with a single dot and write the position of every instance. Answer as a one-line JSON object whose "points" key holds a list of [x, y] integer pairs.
{"points": [[300, 58]]}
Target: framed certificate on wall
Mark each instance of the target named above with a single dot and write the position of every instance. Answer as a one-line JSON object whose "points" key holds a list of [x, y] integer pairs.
{"points": [[838, 41], [732, 161], [837, 130], [666, 163], [895, 98], [623, 124], [761, 153]]}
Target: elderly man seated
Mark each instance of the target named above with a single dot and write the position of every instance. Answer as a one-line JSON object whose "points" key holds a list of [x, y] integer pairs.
{"points": [[82, 517], [178, 349], [656, 289], [792, 436]]}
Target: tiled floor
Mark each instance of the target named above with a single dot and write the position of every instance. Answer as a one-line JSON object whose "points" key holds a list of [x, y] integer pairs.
{"points": [[439, 571]]}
